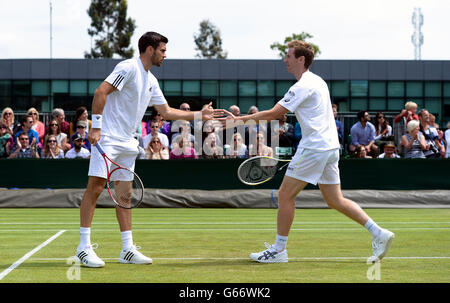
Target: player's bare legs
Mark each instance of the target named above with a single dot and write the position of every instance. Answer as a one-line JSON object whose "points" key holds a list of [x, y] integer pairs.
{"points": [[277, 253], [94, 189], [289, 189], [85, 251], [382, 238], [332, 194], [124, 193]]}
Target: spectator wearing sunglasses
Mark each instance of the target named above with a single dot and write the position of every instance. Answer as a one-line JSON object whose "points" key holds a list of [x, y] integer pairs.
{"points": [[82, 130], [54, 129], [156, 150], [155, 132], [8, 119], [23, 148], [38, 126], [51, 149], [164, 126], [27, 123]]}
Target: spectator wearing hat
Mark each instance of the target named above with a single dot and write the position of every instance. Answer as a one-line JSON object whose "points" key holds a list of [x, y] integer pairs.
{"points": [[389, 151], [82, 130], [78, 151]]}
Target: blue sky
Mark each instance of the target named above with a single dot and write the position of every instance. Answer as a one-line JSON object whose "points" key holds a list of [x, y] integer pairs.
{"points": [[345, 29]]}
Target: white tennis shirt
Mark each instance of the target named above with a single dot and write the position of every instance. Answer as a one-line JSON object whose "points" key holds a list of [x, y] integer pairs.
{"points": [[309, 99], [137, 89]]}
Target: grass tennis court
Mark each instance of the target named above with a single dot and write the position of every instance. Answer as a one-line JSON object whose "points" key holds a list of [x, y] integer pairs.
{"points": [[212, 245]]}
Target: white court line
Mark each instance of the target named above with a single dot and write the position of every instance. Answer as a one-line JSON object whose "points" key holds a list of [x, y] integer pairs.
{"points": [[29, 254], [294, 258], [233, 229]]}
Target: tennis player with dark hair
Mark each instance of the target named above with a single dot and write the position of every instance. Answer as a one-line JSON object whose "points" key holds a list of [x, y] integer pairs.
{"points": [[317, 156], [118, 107]]}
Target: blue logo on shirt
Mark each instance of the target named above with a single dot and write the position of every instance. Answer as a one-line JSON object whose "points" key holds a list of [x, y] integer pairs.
{"points": [[291, 95]]}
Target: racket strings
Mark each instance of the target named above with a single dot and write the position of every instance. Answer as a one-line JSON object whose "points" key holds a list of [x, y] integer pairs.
{"points": [[127, 194], [258, 170]]}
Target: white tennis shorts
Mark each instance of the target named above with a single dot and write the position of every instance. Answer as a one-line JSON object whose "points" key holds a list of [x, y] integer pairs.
{"points": [[123, 153], [315, 166]]}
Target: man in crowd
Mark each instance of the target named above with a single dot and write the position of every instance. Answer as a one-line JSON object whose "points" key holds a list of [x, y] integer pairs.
{"points": [[363, 132], [78, 151], [27, 123], [154, 127], [389, 151], [23, 148]]}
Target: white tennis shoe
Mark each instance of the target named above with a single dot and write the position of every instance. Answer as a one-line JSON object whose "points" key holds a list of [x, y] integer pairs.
{"points": [[133, 256], [381, 245], [270, 255], [88, 257]]}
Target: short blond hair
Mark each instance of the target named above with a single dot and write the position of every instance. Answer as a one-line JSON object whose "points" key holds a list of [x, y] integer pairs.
{"points": [[412, 125], [410, 105]]}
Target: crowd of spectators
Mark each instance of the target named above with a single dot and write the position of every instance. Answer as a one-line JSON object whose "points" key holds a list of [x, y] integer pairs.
{"points": [[418, 136]]}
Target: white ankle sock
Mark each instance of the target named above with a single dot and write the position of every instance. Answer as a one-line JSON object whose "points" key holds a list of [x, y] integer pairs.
{"points": [[373, 228], [127, 239], [85, 237], [280, 242]]}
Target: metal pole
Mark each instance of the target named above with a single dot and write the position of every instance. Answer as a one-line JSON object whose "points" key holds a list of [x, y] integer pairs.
{"points": [[51, 30]]}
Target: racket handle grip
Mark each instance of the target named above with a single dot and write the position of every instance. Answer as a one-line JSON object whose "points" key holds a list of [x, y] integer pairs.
{"points": [[100, 149]]}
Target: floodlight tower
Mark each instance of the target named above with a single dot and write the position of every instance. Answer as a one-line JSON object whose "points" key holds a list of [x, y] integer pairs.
{"points": [[417, 37]]}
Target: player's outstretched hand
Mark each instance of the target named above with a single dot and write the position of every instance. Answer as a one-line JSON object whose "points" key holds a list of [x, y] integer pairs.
{"points": [[227, 118]]}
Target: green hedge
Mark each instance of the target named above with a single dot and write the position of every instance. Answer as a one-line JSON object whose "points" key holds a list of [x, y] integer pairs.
{"points": [[388, 174]]}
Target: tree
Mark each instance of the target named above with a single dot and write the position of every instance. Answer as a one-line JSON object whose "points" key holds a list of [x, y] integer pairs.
{"points": [[110, 29], [208, 42], [282, 48]]}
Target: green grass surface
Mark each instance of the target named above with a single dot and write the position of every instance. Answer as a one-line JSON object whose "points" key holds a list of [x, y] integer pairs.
{"points": [[212, 245]]}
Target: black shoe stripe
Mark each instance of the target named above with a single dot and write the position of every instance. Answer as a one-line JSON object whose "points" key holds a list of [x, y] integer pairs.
{"points": [[82, 255], [267, 254], [129, 256]]}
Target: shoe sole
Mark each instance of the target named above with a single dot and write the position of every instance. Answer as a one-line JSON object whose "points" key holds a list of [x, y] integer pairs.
{"points": [[86, 265], [269, 261], [123, 261], [388, 245]]}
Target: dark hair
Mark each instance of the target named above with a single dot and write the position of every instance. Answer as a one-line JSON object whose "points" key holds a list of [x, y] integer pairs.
{"points": [[150, 39], [80, 110], [384, 125], [361, 114], [25, 118]]}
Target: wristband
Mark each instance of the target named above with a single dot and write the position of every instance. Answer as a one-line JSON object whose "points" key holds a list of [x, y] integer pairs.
{"points": [[96, 121]]}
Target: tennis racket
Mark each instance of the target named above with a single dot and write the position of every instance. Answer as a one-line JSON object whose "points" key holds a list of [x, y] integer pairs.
{"points": [[124, 186], [260, 169]]}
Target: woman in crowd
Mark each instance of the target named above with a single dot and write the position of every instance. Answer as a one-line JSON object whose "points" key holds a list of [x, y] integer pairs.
{"points": [[38, 126], [382, 128], [80, 114], [51, 149], [8, 119], [210, 148], [361, 153], [414, 141], [182, 148], [6, 140], [260, 149], [61, 138], [239, 149], [156, 151]]}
